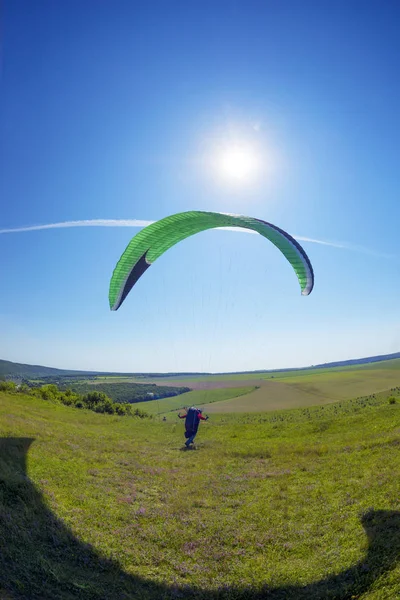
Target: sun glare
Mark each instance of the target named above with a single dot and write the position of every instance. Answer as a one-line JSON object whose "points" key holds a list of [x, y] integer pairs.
{"points": [[237, 158], [237, 164]]}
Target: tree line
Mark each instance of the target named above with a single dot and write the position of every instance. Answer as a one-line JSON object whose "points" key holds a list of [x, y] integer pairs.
{"points": [[127, 392]]}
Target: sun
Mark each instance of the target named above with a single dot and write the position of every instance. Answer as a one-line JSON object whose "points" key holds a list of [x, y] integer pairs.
{"points": [[236, 159], [238, 163]]}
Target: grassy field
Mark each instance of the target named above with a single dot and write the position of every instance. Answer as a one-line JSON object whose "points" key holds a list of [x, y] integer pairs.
{"points": [[300, 504], [195, 398], [309, 391], [292, 389]]}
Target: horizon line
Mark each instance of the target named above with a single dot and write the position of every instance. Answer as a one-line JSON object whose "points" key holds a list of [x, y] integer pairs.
{"points": [[357, 361]]}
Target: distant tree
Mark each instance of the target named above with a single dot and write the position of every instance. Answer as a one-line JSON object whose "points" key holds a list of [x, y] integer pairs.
{"points": [[93, 399], [106, 406]]}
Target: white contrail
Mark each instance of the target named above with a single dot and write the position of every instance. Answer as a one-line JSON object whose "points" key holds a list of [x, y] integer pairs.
{"points": [[142, 223], [341, 245], [345, 246], [85, 223]]}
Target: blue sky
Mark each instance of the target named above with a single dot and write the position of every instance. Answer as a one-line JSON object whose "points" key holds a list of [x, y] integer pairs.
{"points": [[111, 110]]}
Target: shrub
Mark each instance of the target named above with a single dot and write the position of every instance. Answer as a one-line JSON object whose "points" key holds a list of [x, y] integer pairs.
{"points": [[121, 409], [24, 389], [392, 400], [95, 399], [48, 392], [140, 413], [7, 386], [104, 407], [65, 399]]}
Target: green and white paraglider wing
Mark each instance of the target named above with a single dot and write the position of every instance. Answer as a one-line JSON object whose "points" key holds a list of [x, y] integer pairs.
{"points": [[155, 239]]}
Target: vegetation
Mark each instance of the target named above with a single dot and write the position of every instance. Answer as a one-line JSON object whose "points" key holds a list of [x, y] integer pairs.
{"points": [[94, 400], [300, 504], [130, 392]]}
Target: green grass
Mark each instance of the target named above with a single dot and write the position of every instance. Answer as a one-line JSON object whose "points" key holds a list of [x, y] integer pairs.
{"points": [[195, 398], [305, 502], [275, 395]]}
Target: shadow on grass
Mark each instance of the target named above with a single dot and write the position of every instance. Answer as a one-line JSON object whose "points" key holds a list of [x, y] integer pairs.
{"points": [[40, 558]]}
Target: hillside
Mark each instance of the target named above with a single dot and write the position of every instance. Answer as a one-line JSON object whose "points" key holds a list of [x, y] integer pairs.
{"points": [[301, 503], [10, 369]]}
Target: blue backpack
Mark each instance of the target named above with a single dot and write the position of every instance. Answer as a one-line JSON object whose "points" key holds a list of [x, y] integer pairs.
{"points": [[192, 420]]}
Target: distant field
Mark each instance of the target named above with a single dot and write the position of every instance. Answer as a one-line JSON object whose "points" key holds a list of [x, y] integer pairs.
{"points": [[292, 389], [279, 395], [196, 398], [283, 390], [114, 379], [386, 365]]}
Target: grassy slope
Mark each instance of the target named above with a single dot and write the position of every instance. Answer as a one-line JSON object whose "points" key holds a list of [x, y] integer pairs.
{"points": [[273, 499], [310, 391]]}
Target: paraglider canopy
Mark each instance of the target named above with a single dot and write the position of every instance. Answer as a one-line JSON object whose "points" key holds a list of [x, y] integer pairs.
{"points": [[155, 239]]}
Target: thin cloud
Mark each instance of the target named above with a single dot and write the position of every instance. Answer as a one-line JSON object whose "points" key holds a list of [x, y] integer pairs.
{"points": [[84, 223], [143, 223], [345, 246]]}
